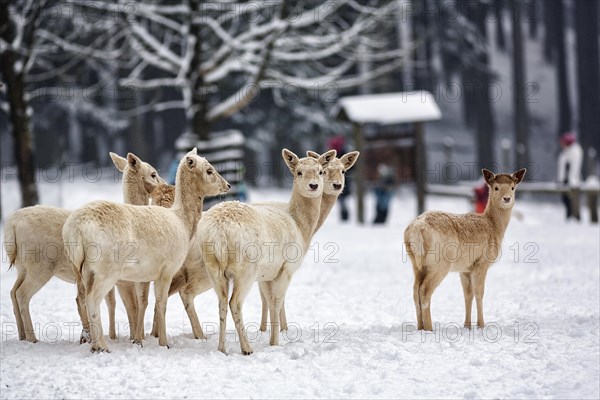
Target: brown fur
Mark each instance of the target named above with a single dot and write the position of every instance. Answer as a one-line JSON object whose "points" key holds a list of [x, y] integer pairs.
{"points": [[439, 242]]}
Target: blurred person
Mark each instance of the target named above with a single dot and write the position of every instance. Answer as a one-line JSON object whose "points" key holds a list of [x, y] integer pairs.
{"points": [[338, 143], [570, 162], [480, 196], [383, 192]]}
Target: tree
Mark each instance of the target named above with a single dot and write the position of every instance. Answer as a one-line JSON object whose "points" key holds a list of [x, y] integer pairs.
{"points": [[560, 61], [18, 24], [500, 35], [549, 31], [519, 86], [481, 77], [588, 72], [221, 55]]}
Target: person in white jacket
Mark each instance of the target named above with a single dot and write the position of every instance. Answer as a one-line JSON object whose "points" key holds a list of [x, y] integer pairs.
{"points": [[570, 161]]}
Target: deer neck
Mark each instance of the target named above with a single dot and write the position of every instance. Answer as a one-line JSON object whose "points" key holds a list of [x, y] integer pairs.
{"points": [[499, 218], [306, 212], [133, 192], [188, 203], [327, 203]]}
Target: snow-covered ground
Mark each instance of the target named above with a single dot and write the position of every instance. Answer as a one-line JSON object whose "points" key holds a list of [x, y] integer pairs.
{"points": [[351, 315]]}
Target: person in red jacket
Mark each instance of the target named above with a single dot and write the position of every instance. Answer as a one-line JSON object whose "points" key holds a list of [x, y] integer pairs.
{"points": [[481, 193]]}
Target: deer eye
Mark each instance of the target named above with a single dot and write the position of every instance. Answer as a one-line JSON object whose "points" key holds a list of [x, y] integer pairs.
{"points": [[512, 188], [154, 175], [299, 173], [209, 172], [496, 188], [320, 172]]}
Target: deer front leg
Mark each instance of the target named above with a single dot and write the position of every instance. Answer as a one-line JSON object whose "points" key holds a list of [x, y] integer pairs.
{"points": [[283, 317], [141, 292], [465, 280], [188, 302], [127, 294], [478, 282], [280, 286], [161, 292]]}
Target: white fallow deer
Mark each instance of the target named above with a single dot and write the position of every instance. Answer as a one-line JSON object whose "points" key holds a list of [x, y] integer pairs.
{"points": [[161, 237], [334, 180], [244, 243]]}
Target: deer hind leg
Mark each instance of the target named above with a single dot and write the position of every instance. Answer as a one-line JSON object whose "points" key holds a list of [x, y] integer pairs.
{"points": [[111, 304], [30, 286], [241, 286], [262, 287], [15, 302], [83, 313], [467, 285], [95, 290], [431, 281], [478, 282], [221, 287], [416, 291]]}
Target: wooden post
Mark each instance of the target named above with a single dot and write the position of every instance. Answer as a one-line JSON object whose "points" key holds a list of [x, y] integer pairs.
{"points": [[359, 175], [420, 167], [592, 196], [592, 200], [448, 144]]}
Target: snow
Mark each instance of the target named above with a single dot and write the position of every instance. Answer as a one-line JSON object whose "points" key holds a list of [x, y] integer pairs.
{"points": [[352, 304], [391, 108]]}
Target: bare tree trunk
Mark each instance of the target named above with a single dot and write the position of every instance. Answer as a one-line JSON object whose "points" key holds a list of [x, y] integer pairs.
{"points": [[549, 32], [19, 118], [532, 18], [562, 74], [199, 124], [500, 35], [422, 54], [484, 119], [588, 73], [519, 83]]}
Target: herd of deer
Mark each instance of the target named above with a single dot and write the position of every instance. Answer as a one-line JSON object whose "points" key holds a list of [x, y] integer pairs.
{"points": [[187, 251]]}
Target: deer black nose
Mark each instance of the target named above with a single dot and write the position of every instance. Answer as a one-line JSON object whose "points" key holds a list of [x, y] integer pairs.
{"points": [[228, 186], [313, 186], [337, 186], [506, 199]]}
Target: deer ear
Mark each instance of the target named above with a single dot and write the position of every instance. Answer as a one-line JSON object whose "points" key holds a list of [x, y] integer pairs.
{"points": [[119, 161], [190, 161], [194, 151], [349, 159], [312, 154], [326, 157], [519, 175], [488, 176], [148, 186], [290, 158], [134, 161]]}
